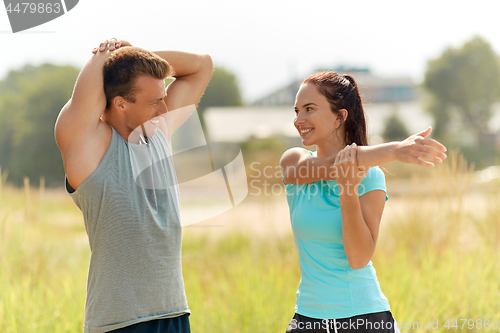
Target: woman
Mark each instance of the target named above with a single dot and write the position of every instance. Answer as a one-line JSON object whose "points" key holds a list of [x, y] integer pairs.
{"points": [[336, 197]]}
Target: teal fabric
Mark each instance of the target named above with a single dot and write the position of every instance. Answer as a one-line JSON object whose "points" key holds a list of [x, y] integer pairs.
{"points": [[130, 205], [329, 288]]}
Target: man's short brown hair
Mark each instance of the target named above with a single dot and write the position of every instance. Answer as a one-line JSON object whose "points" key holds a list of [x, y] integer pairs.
{"points": [[125, 65]]}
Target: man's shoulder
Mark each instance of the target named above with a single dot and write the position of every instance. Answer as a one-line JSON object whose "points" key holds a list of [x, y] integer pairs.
{"points": [[76, 123], [83, 154]]}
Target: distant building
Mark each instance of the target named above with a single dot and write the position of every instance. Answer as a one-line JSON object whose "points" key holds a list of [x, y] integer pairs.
{"points": [[373, 89], [281, 97], [240, 123]]}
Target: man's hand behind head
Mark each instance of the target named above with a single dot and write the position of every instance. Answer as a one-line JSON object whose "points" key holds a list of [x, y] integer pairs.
{"points": [[111, 45]]}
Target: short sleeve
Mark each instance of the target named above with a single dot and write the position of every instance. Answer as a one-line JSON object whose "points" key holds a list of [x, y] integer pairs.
{"points": [[281, 170], [374, 180], [289, 185]]}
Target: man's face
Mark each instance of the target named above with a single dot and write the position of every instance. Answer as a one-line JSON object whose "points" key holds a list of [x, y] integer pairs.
{"points": [[143, 115]]}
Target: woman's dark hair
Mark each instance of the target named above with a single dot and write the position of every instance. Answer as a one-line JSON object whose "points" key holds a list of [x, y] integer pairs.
{"points": [[342, 92]]}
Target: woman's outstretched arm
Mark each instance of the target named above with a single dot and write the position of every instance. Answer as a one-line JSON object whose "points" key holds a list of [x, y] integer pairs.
{"points": [[416, 149], [299, 167]]}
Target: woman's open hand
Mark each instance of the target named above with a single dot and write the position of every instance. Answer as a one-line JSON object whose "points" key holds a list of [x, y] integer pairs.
{"points": [[418, 149]]}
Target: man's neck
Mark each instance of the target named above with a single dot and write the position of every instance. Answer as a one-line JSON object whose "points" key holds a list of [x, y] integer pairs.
{"points": [[126, 133]]}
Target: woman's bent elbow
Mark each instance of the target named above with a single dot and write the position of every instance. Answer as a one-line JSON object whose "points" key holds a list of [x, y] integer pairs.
{"points": [[358, 264]]}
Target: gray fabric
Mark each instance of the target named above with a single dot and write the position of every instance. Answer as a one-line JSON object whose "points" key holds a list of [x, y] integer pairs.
{"points": [[134, 232]]}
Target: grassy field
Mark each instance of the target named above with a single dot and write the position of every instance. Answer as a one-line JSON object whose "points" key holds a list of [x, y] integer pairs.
{"points": [[437, 259]]}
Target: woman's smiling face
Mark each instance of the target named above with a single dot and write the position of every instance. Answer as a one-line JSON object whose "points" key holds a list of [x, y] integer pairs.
{"points": [[314, 120]]}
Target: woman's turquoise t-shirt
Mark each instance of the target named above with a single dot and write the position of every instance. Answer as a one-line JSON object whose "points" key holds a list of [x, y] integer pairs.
{"points": [[329, 288]]}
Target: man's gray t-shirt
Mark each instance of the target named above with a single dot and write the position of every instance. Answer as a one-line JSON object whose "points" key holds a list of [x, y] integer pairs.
{"points": [[133, 225]]}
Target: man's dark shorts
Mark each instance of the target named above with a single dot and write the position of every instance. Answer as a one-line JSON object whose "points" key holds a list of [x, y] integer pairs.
{"points": [[169, 325]]}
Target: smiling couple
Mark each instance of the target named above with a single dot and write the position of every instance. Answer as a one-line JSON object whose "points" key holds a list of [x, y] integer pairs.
{"points": [[120, 112]]}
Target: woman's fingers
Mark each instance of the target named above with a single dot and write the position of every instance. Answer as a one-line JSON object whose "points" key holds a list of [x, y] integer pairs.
{"points": [[349, 171], [423, 155], [425, 132], [420, 146], [337, 158], [428, 157], [353, 152], [431, 154], [416, 160], [345, 154], [435, 144]]}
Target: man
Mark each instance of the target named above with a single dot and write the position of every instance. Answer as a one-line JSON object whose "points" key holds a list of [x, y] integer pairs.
{"points": [[119, 110]]}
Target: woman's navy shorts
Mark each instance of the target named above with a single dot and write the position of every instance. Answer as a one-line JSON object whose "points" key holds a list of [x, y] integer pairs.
{"points": [[379, 322]]}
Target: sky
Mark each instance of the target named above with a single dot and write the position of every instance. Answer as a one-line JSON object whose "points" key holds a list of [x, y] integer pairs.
{"points": [[265, 43]]}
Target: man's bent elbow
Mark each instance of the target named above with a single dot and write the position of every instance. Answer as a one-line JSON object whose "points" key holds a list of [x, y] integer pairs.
{"points": [[207, 62]]}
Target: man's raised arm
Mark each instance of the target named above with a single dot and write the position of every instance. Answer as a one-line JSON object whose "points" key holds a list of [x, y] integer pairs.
{"points": [[81, 114], [192, 72]]}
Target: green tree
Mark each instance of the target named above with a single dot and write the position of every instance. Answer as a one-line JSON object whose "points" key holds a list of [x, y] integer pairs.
{"points": [[464, 83], [222, 90], [394, 129], [30, 100]]}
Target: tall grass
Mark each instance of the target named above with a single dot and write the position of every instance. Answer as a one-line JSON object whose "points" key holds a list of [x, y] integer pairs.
{"points": [[437, 259], [239, 284], [43, 270]]}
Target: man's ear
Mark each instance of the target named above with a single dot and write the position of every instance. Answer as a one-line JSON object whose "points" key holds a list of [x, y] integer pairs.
{"points": [[119, 103]]}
